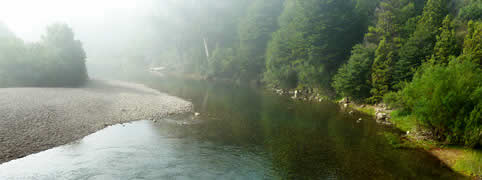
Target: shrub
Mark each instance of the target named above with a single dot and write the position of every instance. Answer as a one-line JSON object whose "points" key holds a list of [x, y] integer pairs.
{"points": [[447, 100]]}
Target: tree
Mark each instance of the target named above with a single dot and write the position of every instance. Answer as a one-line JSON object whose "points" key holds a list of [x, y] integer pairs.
{"points": [[58, 60], [446, 45], [420, 45], [70, 51], [255, 31], [354, 78], [472, 11], [382, 70], [473, 43], [393, 21], [318, 36]]}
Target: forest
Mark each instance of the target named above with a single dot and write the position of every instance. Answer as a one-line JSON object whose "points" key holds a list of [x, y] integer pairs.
{"points": [[420, 56]]}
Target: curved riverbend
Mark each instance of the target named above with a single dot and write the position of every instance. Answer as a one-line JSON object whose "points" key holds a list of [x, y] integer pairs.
{"points": [[241, 133], [36, 119]]}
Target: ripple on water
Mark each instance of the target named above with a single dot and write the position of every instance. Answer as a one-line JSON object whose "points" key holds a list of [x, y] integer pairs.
{"points": [[139, 150]]}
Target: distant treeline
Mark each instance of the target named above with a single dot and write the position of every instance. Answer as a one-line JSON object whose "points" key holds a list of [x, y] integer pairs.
{"points": [[422, 56], [57, 60]]}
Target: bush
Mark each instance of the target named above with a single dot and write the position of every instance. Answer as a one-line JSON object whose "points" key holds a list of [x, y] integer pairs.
{"points": [[447, 100]]}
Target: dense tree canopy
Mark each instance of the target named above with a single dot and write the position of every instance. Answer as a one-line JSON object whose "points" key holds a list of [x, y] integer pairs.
{"points": [[314, 39]]}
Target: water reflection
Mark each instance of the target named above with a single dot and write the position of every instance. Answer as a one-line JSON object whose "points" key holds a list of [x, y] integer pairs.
{"points": [[242, 133], [303, 140]]}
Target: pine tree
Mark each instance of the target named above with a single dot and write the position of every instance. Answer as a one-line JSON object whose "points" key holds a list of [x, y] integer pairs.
{"points": [[392, 17], [354, 78], [420, 45], [382, 70], [473, 43], [446, 45], [314, 39], [255, 31]]}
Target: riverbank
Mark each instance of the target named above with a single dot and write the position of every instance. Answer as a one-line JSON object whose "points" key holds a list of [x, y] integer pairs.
{"points": [[463, 160], [460, 159], [37, 119]]}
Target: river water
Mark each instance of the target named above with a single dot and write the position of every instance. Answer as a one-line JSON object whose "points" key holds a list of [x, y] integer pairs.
{"points": [[242, 133]]}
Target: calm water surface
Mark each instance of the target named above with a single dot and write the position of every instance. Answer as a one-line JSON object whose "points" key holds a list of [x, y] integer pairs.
{"points": [[242, 133]]}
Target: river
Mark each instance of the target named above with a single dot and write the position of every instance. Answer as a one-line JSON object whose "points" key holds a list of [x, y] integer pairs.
{"points": [[241, 133]]}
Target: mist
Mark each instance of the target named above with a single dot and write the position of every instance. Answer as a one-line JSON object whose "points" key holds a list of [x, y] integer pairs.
{"points": [[241, 89]]}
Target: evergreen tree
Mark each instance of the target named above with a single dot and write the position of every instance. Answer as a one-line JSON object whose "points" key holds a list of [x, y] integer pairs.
{"points": [[420, 45], [472, 11], [446, 45], [354, 78], [255, 31], [473, 43], [313, 40], [382, 70], [392, 19]]}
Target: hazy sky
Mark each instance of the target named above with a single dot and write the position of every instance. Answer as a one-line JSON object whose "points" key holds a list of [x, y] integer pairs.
{"points": [[28, 18]]}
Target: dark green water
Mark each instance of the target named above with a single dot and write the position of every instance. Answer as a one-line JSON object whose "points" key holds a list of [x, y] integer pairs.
{"points": [[303, 140], [242, 133]]}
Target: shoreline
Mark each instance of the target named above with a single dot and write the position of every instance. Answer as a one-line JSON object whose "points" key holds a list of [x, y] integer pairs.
{"points": [[457, 158], [37, 119]]}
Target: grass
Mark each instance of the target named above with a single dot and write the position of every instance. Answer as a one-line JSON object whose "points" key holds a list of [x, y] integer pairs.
{"points": [[470, 163], [403, 121], [463, 160], [370, 110]]}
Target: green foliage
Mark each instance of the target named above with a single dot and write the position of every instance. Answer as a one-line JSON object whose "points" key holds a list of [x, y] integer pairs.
{"points": [[420, 45], [58, 60], [403, 120], [280, 55], [382, 70], [473, 11], [222, 63], [470, 163], [255, 31], [446, 45], [394, 23], [353, 79], [473, 43], [314, 39], [447, 100]]}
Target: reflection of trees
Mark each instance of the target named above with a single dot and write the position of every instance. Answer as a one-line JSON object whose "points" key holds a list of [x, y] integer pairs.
{"points": [[306, 141]]}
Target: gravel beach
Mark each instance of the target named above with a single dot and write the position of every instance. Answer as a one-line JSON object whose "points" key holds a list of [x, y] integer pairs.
{"points": [[36, 119]]}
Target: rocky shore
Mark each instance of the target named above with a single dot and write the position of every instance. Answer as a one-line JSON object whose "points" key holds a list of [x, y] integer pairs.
{"points": [[381, 114], [36, 119]]}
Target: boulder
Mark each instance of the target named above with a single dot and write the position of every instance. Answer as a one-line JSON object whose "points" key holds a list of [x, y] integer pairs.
{"points": [[345, 100], [381, 116]]}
